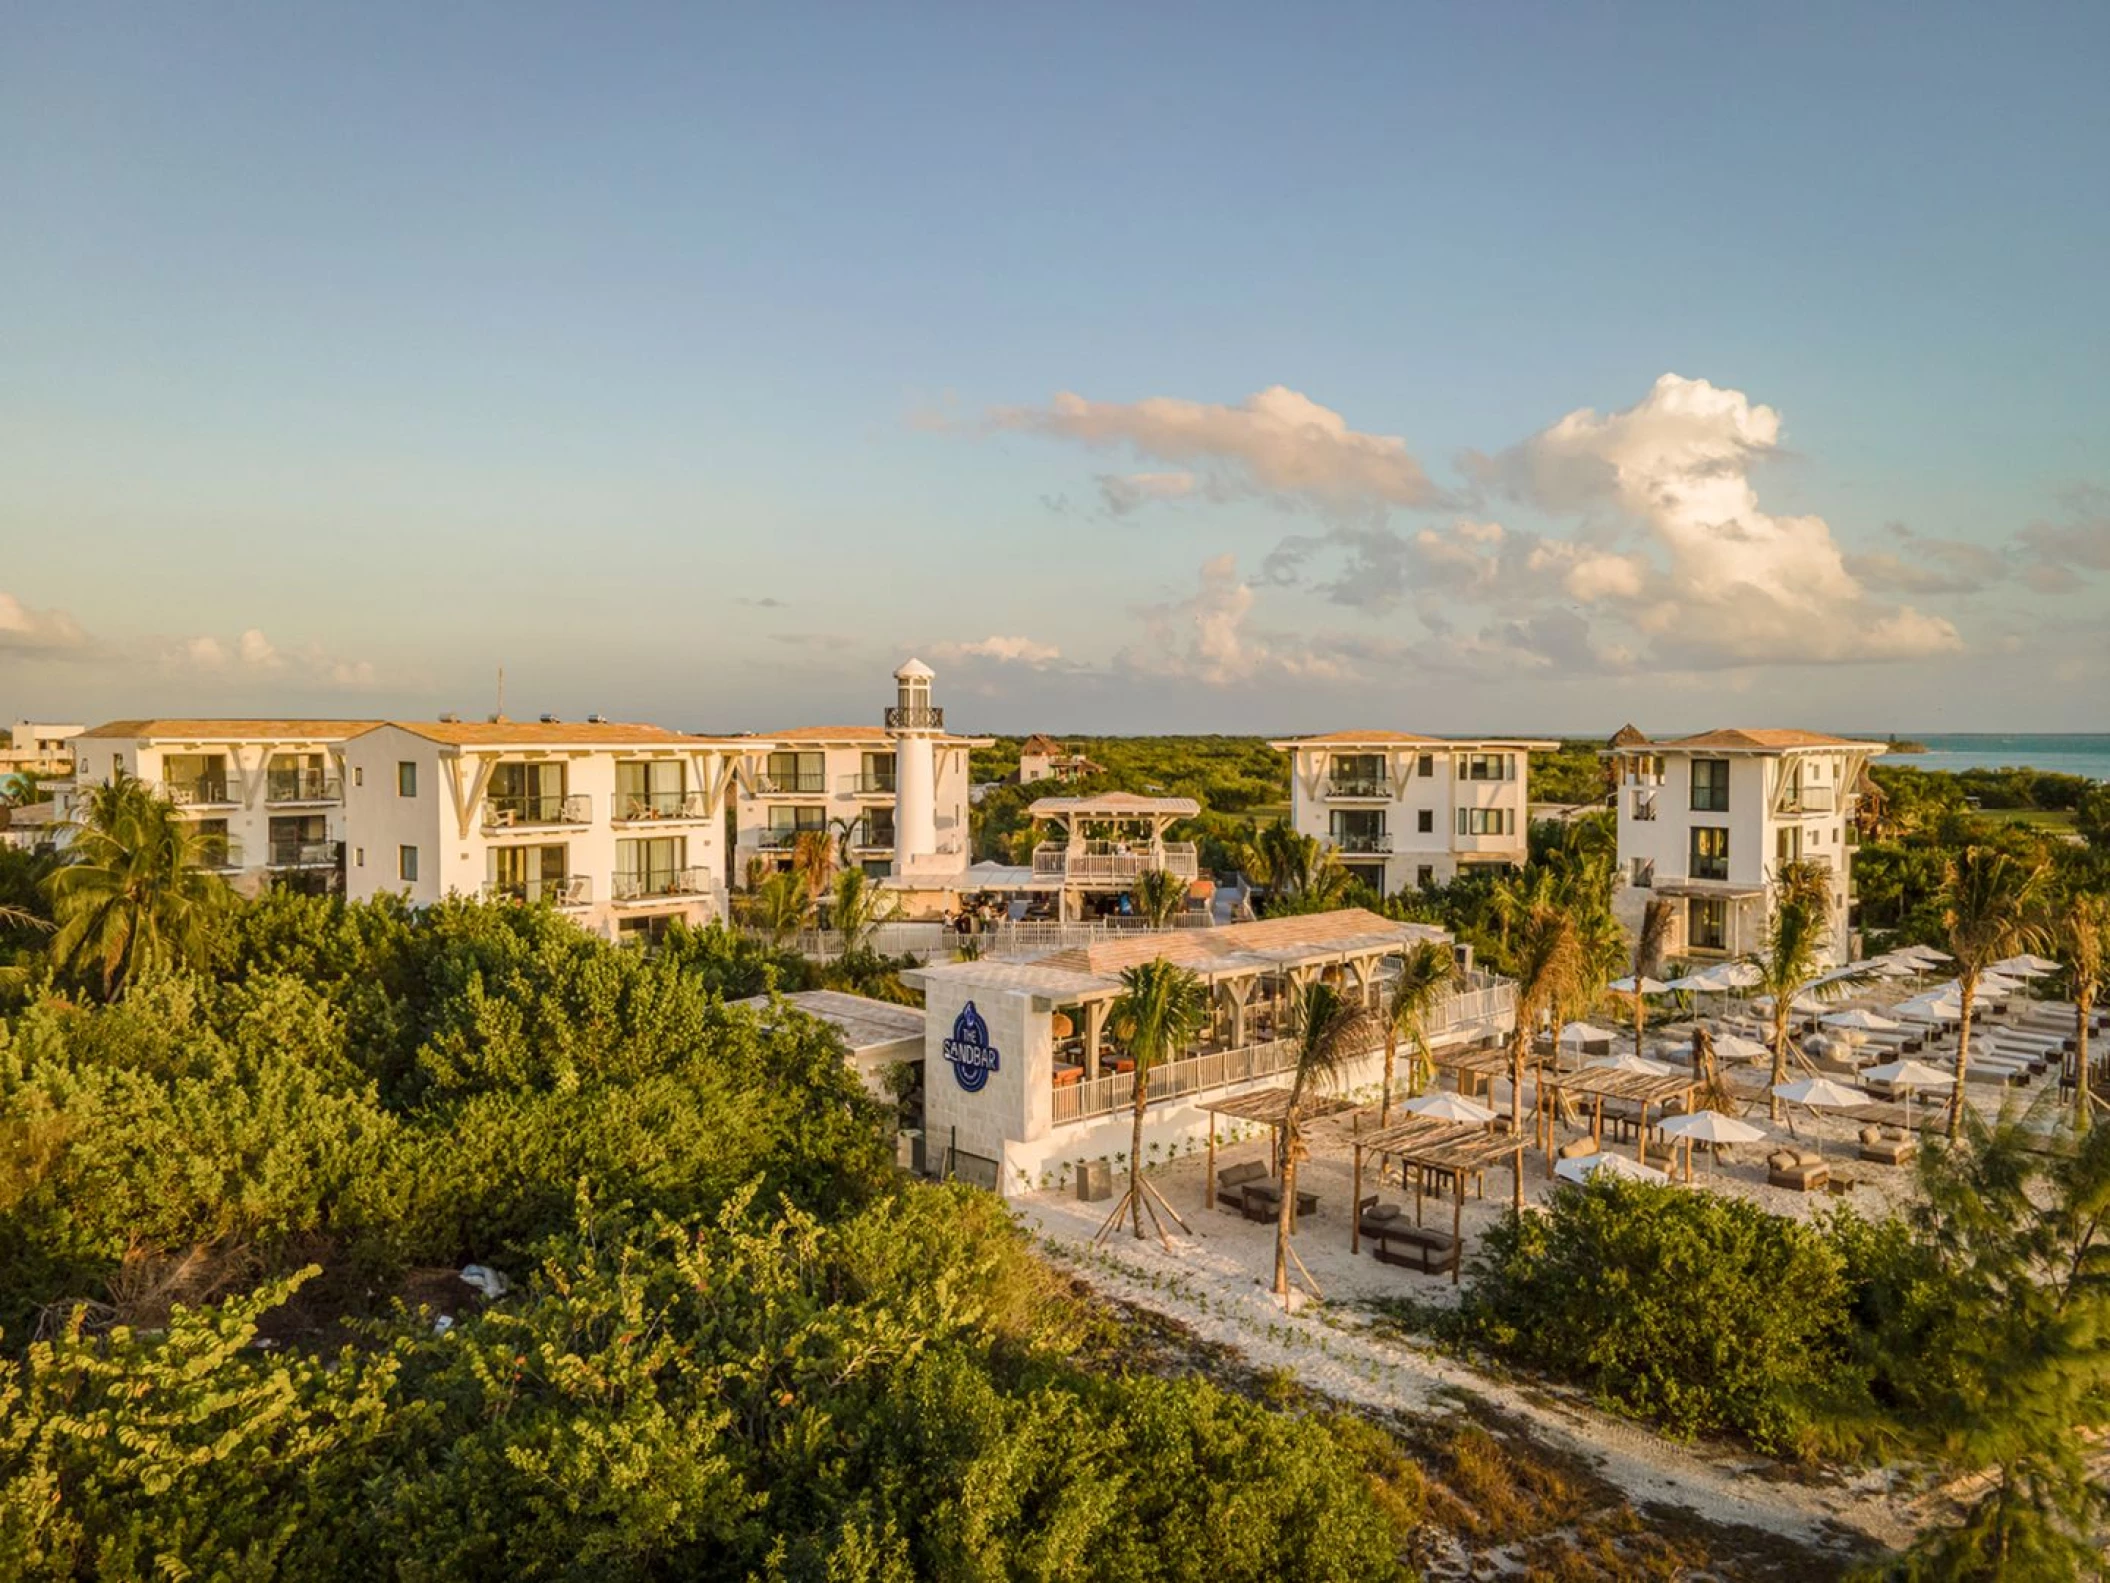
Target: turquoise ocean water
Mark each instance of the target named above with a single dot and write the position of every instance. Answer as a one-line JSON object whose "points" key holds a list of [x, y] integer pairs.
{"points": [[2069, 754]]}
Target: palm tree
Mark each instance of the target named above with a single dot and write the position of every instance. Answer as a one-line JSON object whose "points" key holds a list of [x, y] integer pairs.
{"points": [[2082, 930], [858, 907], [133, 893], [1331, 1030], [1160, 1009], [778, 905], [1649, 941], [1160, 896], [1427, 973], [813, 860], [1988, 899], [1299, 872], [1794, 954], [1553, 977]]}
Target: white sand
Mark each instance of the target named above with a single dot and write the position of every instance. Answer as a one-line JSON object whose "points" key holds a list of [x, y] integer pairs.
{"points": [[1216, 1280]]}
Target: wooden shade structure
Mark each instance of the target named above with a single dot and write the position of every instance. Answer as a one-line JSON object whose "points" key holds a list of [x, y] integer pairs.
{"points": [[1269, 1107], [1470, 1069], [1422, 1145], [1599, 1084]]}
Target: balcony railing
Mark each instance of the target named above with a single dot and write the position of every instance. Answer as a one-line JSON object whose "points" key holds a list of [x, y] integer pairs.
{"points": [[565, 890], [654, 883], [1106, 861], [872, 838], [1359, 786], [775, 840], [219, 852], [200, 793], [801, 785], [645, 807], [916, 717], [872, 785], [1362, 841], [1808, 799], [306, 854], [510, 813], [284, 786]]}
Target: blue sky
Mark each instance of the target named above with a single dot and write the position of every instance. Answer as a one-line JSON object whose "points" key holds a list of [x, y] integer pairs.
{"points": [[696, 364]]}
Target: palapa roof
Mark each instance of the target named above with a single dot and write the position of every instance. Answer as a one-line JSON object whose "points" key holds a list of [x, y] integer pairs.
{"points": [[1647, 1088], [232, 730], [1427, 1141], [1749, 739], [1045, 746], [1629, 736], [1270, 1106]]}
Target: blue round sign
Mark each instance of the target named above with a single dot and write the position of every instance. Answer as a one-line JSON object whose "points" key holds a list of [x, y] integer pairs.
{"points": [[972, 1056]]}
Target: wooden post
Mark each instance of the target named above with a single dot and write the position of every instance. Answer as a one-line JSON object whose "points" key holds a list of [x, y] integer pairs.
{"points": [[1415, 1167], [1597, 1123], [1209, 1182], [1458, 1224], [1641, 1135], [1355, 1207]]}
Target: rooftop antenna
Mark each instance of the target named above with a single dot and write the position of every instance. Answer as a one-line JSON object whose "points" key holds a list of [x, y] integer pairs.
{"points": [[501, 692]]}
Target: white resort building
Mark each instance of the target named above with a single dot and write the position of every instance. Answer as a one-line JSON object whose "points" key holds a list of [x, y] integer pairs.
{"points": [[1401, 809], [1709, 821], [267, 796], [1042, 758], [621, 826], [38, 747], [892, 798], [1018, 1075]]}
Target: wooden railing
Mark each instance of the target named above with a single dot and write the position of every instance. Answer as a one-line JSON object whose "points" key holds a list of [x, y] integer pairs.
{"points": [[1102, 861]]}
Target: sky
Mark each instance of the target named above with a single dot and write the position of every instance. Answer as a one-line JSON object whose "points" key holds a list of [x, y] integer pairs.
{"points": [[1170, 368]]}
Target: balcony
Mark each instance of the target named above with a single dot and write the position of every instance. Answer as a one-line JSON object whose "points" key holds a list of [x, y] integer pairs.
{"points": [[661, 883], [866, 837], [219, 852], [872, 785], [915, 717], [199, 793], [1362, 841], [653, 807], [814, 784], [781, 840], [1809, 799], [1645, 807], [1112, 863], [302, 786], [527, 813], [566, 890], [1360, 788], [306, 854]]}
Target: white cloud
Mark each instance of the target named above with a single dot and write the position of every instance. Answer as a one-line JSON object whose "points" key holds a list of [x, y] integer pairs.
{"points": [[1277, 442], [251, 654], [255, 649], [1206, 638], [26, 631], [1122, 493], [1005, 650], [2079, 543]]}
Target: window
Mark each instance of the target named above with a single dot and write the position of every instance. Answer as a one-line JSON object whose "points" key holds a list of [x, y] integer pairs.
{"points": [[1487, 766], [359, 775], [358, 857], [117, 765], [1425, 821], [1357, 775], [1424, 876], [407, 780], [407, 856], [1787, 845], [1486, 821], [1710, 852], [798, 772], [529, 873], [1360, 830], [1707, 924], [524, 792], [1644, 873], [656, 867], [649, 788], [1710, 785], [1425, 766]]}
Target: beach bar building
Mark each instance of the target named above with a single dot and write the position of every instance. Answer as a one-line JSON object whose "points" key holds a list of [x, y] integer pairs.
{"points": [[1022, 1074]]}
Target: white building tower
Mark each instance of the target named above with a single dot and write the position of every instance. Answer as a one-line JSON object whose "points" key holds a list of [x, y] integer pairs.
{"points": [[915, 727]]}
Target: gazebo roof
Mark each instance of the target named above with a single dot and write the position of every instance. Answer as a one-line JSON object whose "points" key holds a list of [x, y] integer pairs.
{"points": [[1270, 1106], [1114, 805], [1426, 1141], [1612, 1083]]}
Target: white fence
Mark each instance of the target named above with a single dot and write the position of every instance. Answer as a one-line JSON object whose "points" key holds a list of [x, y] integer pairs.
{"points": [[933, 939]]}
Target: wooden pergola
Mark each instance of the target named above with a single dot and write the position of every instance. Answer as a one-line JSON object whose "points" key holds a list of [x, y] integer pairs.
{"points": [[1599, 1084], [1270, 1108], [1474, 1069], [1459, 1149]]}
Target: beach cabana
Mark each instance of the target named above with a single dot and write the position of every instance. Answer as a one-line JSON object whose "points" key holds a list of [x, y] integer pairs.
{"points": [[1644, 1090], [1446, 1151]]}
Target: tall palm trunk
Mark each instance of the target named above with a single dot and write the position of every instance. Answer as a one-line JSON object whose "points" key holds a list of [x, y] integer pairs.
{"points": [[1968, 994], [1519, 1053], [1781, 1013], [1384, 1107], [2083, 1102], [1135, 1151], [1286, 1211]]}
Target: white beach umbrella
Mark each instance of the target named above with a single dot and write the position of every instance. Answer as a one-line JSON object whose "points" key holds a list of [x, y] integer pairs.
{"points": [[1820, 1093], [1711, 1126], [1859, 1020], [1910, 1075], [1701, 983], [1449, 1107], [1647, 986], [1739, 975], [1585, 1033], [1803, 1001], [1888, 967], [1923, 953], [1585, 1166], [1735, 1047], [2027, 965]]}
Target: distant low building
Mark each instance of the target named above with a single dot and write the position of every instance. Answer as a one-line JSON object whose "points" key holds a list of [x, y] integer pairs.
{"points": [[1042, 758], [30, 827], [38, 747]]}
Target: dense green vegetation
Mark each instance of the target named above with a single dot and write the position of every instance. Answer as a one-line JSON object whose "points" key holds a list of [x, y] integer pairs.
{"points": [[737, 1344], [1969, 1334]]}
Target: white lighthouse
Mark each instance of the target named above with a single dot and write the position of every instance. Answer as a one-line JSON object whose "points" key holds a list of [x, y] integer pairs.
{"points": [[915, 726]]}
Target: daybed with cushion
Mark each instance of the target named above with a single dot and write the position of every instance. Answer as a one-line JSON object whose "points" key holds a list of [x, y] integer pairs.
{"points": [[1798, 1169], [1231, 1184], [1374, 1219], [1881, 1146], [1417, 1248], [1263, 1200]]}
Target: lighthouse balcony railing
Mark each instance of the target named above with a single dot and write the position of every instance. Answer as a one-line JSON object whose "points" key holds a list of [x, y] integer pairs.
{"points": [[915, 717]]}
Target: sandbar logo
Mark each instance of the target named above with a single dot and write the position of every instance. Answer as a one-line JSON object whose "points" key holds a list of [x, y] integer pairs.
{"points": [[973, 1057]]}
